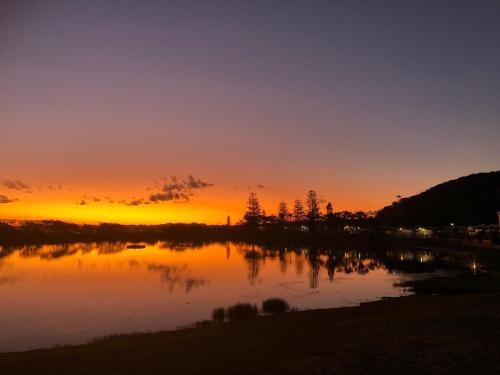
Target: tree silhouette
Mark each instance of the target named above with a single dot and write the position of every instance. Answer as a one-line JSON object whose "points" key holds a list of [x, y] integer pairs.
{"points": [[252, 258], [313, 213], [315, 264], [253, 216], [283, 213], [298, 211]]}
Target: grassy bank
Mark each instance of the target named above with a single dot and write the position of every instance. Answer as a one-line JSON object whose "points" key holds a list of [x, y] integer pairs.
{"points": [[457, 333]]}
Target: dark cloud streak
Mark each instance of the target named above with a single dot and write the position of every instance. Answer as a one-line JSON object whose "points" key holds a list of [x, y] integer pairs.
{"points": [[5, 199], [179, 190], [17, 185]]}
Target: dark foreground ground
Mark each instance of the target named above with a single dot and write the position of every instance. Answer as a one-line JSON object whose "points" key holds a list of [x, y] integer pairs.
{"points": [[453, 333]]}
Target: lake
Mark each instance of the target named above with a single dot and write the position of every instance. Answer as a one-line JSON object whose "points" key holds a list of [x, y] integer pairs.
{"points": [[67, 294]]}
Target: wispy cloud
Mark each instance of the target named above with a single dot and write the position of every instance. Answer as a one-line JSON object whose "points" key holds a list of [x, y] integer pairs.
{"points": [[178, 189], [54, 187], [258, 186], [88, 199], [91, 198], [5, 199], [134, 202], [17, 185]]}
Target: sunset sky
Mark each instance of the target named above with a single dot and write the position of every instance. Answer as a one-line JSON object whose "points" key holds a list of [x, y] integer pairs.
{"points": [[172, 111]]}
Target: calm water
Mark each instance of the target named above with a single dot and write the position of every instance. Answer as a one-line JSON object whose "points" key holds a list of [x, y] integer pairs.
{"points": [[59, 294]]}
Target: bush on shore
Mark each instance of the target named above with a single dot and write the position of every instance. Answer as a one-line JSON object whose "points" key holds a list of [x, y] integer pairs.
{"points": [[275, 306], [218, 315], [241, 311]]}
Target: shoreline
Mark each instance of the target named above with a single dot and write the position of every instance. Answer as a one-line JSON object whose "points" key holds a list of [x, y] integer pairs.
{"points": [[453, 331]]}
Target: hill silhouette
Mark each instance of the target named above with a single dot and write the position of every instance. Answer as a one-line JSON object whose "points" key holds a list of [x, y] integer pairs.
{"points": [[469, 200]]}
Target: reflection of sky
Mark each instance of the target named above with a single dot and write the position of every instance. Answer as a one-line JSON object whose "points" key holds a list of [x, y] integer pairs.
{"points": [[355, 99], [68, 293]]}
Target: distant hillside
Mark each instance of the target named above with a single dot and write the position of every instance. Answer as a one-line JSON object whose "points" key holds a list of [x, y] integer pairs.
{"points": [[469, 200]]}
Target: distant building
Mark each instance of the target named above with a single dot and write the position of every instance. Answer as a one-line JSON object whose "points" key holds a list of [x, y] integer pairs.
{"points": [[228, 220]]}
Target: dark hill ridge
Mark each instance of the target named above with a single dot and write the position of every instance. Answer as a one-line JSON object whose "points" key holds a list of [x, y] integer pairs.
{"points": [[469, 200]]}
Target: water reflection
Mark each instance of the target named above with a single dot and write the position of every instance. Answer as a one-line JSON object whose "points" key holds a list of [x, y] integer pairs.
{"points": [[316, 259], [349, 261], [333, 261], [175, 275], [67, 293]]}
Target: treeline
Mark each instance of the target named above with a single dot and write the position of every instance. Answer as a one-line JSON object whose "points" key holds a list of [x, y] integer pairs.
{"points": [[303, 216], [57, 232], [53, 231], [304, 223]]}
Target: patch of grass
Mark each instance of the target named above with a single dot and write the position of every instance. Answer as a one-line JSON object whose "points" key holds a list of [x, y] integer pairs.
{"points": [[275, 306], [241, 311]]}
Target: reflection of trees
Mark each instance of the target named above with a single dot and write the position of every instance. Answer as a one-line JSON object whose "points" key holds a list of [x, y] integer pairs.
{"points": [[253, 259], [330, 265], [180, 245], [174, 275], [283, 261], [315, 263], [111, 247], [334, 260], [346, 261], [299, 261], [56, 251], [30, 251]]}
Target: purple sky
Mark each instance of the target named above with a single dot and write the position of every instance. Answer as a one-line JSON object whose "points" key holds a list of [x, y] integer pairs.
{"points": [[360, 100]]}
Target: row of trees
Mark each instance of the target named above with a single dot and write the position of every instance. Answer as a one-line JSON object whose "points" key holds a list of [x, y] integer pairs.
{"points": [[255, 215], [308, 213]]}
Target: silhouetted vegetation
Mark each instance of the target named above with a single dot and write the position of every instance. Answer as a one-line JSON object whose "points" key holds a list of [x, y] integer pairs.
{"points": [[219, 315], [241, 311], [253, 216], [275, 306], [306, 220]]}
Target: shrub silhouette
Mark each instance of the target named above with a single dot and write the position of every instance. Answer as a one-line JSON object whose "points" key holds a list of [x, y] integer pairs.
{"points": [[241, 311], [275, 306], [218, 315]]}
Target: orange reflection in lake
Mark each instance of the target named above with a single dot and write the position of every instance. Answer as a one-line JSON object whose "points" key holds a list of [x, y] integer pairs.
{"points": [[58, 294]]}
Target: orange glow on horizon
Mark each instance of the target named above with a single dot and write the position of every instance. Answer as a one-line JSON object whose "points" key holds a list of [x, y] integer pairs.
{"points": [[209, 208]]}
